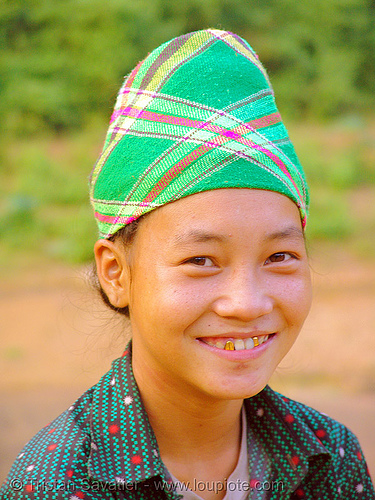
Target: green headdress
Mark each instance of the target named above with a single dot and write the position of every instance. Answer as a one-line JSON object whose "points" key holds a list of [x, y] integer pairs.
{"points": [[197, 114]]}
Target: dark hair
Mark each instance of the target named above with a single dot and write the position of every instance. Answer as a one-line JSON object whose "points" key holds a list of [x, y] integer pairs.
{"points": [[126, 235]]}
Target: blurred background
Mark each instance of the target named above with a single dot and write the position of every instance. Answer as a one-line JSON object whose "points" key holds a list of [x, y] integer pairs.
{"points": [[61, 66]]}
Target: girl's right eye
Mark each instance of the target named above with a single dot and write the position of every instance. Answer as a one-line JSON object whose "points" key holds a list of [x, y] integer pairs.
{"points": [[200, 261]]}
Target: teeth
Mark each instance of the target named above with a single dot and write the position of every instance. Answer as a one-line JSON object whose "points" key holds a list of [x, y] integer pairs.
{"points": [[239, 344], [229, 346], [249, 343], [220, 344]]}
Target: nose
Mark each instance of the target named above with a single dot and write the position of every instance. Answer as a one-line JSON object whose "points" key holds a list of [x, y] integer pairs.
{"points": [[244, 296]]}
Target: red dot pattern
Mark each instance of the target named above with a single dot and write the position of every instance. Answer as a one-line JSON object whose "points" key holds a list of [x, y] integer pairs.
{"points": [[119, 435], [113, 429], [136, 459], [295, 460], [321, 433]]}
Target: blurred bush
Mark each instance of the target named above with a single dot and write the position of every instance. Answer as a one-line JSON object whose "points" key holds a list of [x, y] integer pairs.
{"points": [[62, 64], [64, 60]]}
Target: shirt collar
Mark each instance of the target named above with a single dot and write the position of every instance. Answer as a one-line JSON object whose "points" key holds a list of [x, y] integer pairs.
{"points": [[281, 445], [124, 446]]}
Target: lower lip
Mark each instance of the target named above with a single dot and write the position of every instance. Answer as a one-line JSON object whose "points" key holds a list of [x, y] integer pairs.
{"points": [[244, 355]]}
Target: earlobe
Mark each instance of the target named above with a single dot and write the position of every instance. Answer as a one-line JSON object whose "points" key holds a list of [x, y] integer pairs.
{"points": [[113, 271]]}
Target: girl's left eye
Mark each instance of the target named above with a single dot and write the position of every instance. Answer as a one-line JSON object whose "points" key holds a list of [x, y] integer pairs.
{"points": [[279, 257], [201, 261]]}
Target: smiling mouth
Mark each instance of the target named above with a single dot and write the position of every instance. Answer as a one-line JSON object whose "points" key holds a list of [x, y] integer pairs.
{"points": [[231, 344]]}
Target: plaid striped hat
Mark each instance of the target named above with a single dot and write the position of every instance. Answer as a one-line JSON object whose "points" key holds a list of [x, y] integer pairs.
{"points": [[197, 114]]}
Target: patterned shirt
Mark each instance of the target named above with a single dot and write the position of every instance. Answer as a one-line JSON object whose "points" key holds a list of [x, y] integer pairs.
{"points": [[103, 447]]}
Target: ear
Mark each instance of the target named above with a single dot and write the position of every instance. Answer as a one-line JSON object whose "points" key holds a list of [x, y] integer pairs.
{"points": [[113, 271]]}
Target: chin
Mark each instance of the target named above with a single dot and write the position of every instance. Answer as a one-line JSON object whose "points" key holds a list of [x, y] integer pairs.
{"points": [[239, 389]]}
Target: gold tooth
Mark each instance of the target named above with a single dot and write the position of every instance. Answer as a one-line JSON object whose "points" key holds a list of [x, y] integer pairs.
{"points": [[229, 346], [256, 341]]}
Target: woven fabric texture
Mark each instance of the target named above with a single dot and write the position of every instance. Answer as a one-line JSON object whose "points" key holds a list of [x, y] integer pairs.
{"points": [[197, 114], [103, 448]]}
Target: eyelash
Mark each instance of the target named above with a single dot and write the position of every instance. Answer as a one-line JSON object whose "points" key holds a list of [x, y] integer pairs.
{"points": [[194, 260], [191, 261], [284, 254]]}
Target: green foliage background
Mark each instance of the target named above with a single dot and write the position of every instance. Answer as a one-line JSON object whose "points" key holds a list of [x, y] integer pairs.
{"points": [[63, 61]]}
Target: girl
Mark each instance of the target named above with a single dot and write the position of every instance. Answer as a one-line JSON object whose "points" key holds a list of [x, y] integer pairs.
{"points": [[201, 205]]}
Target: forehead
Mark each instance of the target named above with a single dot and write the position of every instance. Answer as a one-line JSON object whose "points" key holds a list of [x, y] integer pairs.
{"points": [[221, 213]]}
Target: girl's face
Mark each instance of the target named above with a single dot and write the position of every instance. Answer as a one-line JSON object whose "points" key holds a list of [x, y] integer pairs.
{"points": [[228, 264]]}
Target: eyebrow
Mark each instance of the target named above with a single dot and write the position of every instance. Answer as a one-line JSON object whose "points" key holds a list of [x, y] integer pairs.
{"points": [[198, 236], [287, 233]]}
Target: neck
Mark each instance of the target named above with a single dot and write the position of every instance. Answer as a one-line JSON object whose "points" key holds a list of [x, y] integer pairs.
{"points": [[194, 432]]}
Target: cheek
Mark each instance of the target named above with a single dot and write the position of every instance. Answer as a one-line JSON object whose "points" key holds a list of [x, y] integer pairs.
{"points": [[293, 295], [162, 301], [180, 302], [299, 298]]}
